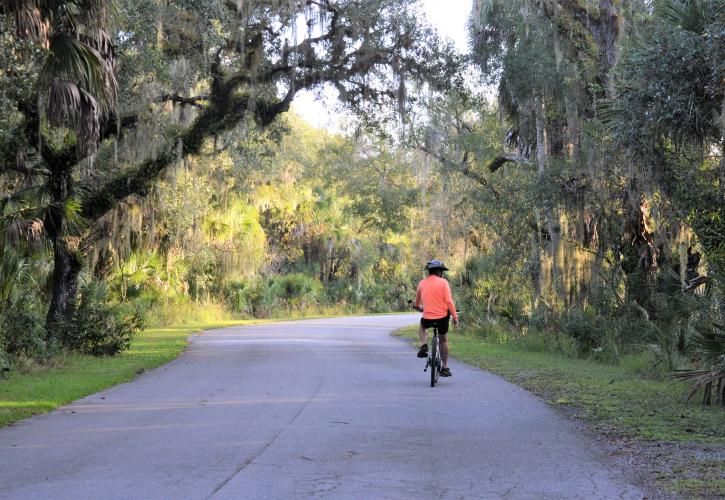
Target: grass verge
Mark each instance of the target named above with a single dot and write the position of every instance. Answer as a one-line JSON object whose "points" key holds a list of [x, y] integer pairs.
{"points": [[39, 389], [647, 417]]}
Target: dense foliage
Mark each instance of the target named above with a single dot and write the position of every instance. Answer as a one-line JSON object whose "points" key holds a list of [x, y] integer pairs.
{"points": [[610, 179], [117, 113]]}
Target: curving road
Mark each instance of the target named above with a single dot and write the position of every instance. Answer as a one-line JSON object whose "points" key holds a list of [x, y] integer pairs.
{"points": [[327, 408]]}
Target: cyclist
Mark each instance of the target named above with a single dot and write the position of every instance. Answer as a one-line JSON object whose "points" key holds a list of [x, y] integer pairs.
{"points": [[434, 300]]}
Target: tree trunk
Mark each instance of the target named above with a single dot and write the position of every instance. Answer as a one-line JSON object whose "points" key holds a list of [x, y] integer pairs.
{"points": [[721, 190], [66, 262], [606, 34], [64, 285], [604, 26], [551, 225], [535, 268]]}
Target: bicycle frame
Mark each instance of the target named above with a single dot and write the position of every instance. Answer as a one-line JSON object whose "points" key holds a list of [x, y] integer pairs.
{"points": [[434, 358]]}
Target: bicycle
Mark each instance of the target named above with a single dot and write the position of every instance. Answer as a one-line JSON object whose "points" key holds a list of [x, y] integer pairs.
{"points": [[434, 360]]}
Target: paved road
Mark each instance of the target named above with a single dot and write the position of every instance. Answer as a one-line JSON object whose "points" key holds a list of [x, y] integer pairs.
{"points": [[330, 408]]}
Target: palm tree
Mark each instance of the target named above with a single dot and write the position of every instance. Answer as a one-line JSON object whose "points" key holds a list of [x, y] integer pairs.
{"points": [[77, 83], [76, 89]]}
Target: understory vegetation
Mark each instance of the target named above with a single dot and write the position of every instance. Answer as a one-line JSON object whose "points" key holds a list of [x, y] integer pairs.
{"points": [[152, 173]]}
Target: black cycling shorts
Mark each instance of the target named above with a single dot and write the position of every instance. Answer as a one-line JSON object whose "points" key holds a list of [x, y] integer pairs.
{"points": [[441, 322]]}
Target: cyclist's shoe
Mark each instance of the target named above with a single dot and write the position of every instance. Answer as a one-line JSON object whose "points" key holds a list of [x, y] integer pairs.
{"points": [[423, 351], [446, 372]]}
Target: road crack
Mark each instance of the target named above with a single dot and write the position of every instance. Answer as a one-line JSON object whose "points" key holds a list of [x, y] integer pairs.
{"points": [[244, 464]]}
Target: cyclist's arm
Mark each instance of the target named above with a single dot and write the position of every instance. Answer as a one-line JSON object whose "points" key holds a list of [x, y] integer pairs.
{"points": [[449, 303], [418, 304]]}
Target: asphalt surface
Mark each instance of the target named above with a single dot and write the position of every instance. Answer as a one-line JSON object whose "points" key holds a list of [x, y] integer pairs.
{"points": [[327, 408]]}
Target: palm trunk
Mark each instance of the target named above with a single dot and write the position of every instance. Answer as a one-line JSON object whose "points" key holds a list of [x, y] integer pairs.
{"points": [[64, 286], [66, 262]]}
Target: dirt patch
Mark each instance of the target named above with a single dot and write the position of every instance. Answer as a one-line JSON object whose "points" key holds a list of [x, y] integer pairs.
{"points": [[665, 470]]}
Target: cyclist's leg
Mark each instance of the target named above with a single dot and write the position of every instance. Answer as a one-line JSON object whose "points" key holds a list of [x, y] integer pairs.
{"points": [[422, 334], [443, 329]]}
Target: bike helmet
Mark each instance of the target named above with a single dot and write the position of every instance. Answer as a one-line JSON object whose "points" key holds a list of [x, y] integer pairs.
{"points": [[435, 264]]}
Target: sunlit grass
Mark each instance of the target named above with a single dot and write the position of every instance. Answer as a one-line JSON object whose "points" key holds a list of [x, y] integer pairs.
{"points": [[194, 313]]}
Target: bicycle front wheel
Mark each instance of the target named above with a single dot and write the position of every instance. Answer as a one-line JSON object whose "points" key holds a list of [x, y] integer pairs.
{"points": [[434, 363]]}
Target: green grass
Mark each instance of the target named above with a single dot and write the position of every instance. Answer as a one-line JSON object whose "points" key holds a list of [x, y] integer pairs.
{"points": [[700, 488], [708, 483], [618, 396], [39, 389]]}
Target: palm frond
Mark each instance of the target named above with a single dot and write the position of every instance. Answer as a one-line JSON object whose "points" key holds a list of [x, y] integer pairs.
{"points": [[30, 22], [710, 344], [64, 103], [73, 60], [689, 15], [25, 234], [21, 205], [71, 106], [12, 267], [711, 382], [99, 42], [96, 12]]}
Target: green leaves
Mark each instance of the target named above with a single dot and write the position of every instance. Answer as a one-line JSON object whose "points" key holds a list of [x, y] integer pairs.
{"points": [[689, 15], [670, 85], [80, 63]]}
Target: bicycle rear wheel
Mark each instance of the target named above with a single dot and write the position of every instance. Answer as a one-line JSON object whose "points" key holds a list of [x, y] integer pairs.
{"points": [[434, 362]]}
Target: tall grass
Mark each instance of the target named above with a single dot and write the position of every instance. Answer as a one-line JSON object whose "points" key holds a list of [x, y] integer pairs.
{"points": [[193, 313]]}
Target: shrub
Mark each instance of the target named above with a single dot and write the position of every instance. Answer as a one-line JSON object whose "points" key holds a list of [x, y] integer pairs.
{"points": [[547, 341], [4, 359], [383, 297], [588, 332], [709, 356], [299, 290], [22, 332], [583, 326], [264, 297], [181, 310], [101, 327], [237, 295], [491, 287]]}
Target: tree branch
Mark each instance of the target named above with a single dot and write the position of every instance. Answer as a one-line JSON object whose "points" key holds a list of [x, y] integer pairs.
{"points": [[213, 121], [113, 127], [461, 167], [190, 101], [503, 159], [24, 169]]}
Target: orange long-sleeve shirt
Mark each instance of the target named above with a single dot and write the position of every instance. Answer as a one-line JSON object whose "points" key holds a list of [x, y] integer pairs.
{"points": [[435, 294]]}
